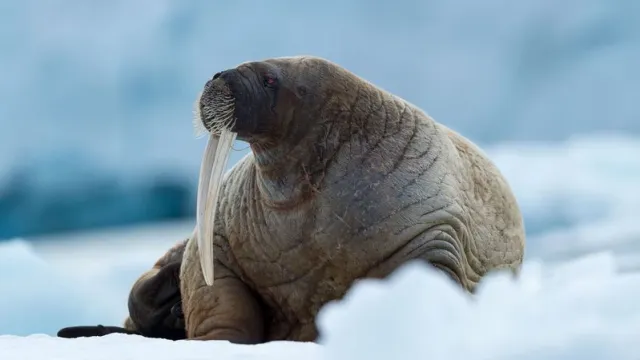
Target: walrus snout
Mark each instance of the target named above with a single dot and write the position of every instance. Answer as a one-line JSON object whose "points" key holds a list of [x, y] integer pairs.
{"points": [[216, 105], [247, 94]]}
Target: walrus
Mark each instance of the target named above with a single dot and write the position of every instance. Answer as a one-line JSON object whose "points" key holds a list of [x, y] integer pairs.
{"points": [[344, 181]]}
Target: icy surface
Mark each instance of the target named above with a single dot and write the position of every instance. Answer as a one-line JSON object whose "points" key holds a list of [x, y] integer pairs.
{"points": [[82, 279], [577, 197], [581, 310], [124, 347]]}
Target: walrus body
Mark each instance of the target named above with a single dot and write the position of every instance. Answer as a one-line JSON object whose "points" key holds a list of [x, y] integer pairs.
{"points": [[345, 181]]}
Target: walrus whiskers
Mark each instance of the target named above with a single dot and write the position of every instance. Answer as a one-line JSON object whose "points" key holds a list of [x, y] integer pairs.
{"points": [[219, 120], [199, 128]]}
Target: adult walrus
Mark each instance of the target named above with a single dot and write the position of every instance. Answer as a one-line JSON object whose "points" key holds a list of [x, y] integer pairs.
{"points": [[344, 181]]}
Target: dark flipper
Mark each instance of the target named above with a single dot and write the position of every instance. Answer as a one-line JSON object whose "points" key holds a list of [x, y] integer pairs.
{"points": [[90, 331], [159, 331]]}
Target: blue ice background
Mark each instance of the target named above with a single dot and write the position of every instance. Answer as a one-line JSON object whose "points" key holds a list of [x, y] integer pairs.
{"points": [[97, 96], [96, 100]]}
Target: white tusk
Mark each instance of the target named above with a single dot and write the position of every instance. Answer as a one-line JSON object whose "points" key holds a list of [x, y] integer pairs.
{"points": [[203, 187], [214, 161]]}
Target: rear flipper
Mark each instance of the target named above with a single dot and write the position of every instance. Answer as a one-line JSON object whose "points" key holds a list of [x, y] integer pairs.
{"points": [[90, 331], [155, 304], [168, 333]]}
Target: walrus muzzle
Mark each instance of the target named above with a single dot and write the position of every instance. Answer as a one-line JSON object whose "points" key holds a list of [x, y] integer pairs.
{"points": [[215, 114]]}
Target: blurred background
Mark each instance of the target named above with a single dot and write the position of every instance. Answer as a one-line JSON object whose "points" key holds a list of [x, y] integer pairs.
{"points": [[99, 162]]}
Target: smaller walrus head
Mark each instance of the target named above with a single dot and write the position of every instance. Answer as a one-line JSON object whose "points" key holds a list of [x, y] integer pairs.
{"points": [[265, 101], [155, 303]]}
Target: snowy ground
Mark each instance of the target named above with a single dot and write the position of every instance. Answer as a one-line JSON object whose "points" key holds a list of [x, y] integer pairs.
{"points": [[581, 303], [583, 310]]}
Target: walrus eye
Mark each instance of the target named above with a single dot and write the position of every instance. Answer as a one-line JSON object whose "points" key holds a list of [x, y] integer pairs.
{"points": [[270, 81]]}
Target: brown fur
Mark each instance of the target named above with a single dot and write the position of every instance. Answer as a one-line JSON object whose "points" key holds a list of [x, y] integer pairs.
{"points": [[345, 181]]}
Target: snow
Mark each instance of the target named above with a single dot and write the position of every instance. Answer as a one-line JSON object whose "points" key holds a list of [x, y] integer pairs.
{"points": [[79, 278], [124, 347], [578, 197], [584, 310], [564, 312]]}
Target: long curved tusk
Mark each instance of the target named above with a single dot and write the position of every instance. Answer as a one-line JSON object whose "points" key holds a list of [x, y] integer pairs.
{"points": [[214, 162]]}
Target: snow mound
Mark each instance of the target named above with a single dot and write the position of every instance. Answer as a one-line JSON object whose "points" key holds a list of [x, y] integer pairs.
{"points": [[580, 310]]}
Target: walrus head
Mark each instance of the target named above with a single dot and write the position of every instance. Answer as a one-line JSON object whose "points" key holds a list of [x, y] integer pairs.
{"points": [[265, 103], [241, 100], [259, 101]]}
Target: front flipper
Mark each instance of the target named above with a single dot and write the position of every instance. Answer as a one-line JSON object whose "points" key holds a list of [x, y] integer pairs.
{"points": [[228, 310]]}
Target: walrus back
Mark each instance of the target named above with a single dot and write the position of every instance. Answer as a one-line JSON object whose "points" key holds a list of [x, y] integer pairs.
{"points": [[490, 200]]}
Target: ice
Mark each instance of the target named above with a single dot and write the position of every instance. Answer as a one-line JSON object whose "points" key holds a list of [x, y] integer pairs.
{"points": [[75, 279], [35, 295], [578, 197], [583, 310], [124, 347]]}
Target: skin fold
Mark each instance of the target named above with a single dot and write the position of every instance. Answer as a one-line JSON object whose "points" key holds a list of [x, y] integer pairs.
{"points": [[345, 181]]}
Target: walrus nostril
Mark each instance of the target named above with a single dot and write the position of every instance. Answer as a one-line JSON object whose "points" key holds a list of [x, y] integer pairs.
{"points": [[209, 82]]}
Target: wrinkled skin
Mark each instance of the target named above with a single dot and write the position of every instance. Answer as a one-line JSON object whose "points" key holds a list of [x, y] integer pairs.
{"points": [[345, 181]]}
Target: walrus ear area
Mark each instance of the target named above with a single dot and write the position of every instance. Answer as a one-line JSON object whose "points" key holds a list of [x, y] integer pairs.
{"points": [[301, 90]]}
